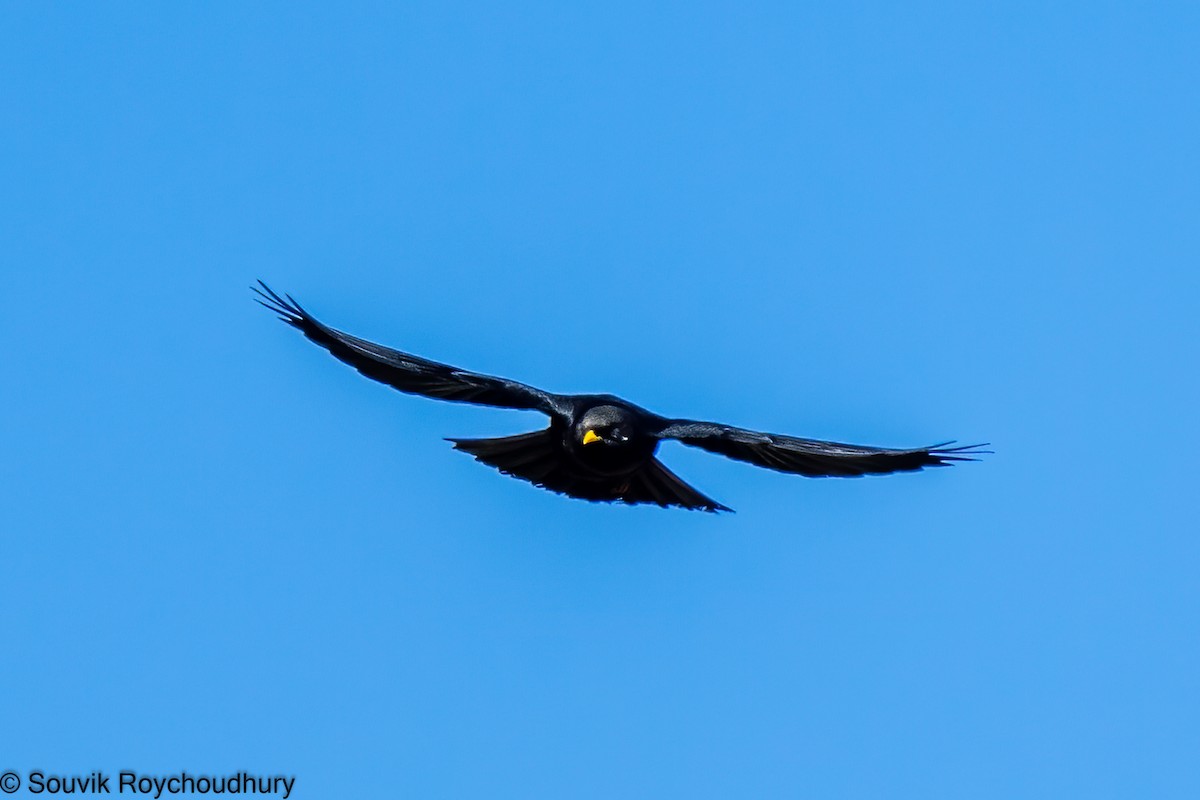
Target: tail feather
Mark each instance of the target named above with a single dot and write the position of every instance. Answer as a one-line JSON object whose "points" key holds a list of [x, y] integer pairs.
{"points": [[654, 483], [539, 458], [513, 455]]}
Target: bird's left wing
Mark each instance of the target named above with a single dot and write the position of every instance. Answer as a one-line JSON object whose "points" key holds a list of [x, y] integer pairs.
{"points": [[811, 457], [407, 372]]}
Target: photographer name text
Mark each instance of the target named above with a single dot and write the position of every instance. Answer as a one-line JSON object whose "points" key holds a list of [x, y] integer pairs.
{"points": [[151, 786]]}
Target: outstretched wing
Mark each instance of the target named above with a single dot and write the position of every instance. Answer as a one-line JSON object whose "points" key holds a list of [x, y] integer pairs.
{"points": [[406, 372], [812, 457]]}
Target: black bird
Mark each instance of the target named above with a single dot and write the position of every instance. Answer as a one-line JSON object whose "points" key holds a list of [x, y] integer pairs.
{"points": [[599, 447]]}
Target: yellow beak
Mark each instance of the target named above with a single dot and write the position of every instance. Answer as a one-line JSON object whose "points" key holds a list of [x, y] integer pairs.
{"points": [[590, 437]]}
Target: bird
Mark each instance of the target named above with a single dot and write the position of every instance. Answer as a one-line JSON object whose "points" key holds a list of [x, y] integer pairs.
{"points": [[600, 447]]}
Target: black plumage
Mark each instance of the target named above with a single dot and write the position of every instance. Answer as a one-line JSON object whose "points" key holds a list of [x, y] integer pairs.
{"points": [[599, 447]]}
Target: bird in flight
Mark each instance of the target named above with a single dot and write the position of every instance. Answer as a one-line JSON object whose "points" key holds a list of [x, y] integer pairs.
{"points": [[599, 447]]}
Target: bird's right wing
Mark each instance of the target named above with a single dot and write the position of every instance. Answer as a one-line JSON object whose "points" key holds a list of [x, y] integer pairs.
{"points": [[811, 457], [407, 372]]}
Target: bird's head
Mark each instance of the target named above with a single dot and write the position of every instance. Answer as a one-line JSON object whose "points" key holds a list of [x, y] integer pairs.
{"points": [[605, 425]]}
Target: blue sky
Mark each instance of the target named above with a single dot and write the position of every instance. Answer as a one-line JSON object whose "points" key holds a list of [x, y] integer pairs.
{"points": [[893, 225]]}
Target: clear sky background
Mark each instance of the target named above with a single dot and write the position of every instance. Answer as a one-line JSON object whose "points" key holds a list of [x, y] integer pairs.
{"points": [[886, 224]]}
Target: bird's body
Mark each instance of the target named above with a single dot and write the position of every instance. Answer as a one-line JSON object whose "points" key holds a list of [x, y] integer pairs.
{"points": [[600, 447]]}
